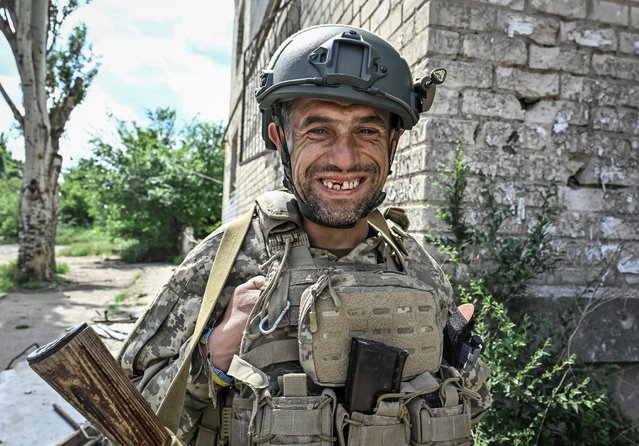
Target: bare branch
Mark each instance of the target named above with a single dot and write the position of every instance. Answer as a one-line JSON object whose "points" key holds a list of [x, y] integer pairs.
{"points": [[16, 113], [59, 114], [9, 32]]}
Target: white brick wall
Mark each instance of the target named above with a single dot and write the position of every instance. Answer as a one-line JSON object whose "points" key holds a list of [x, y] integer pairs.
{"points": [[539, 92]]}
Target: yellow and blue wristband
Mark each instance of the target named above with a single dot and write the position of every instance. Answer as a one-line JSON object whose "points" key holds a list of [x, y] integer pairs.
{"points": [[219, 377]]}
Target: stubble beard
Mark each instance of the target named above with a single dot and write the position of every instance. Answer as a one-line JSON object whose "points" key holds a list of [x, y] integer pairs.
{"points": [[341, 212]]}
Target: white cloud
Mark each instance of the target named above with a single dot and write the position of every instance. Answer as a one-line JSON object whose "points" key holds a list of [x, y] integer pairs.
{"points": [[153, 53]]}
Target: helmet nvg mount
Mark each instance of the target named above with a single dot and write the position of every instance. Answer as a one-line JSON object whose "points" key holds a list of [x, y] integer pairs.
{"points": [[342, 63]]}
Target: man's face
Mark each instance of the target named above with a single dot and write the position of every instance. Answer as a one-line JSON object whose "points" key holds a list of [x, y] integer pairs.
{"points": [[339, 157]]}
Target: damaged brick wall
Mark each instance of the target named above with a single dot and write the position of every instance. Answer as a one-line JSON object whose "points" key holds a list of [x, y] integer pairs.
{"points": [[539, 93]]}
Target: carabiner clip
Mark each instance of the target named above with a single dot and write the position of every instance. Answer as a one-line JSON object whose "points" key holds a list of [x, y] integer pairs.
{"points": [[277, 321]]}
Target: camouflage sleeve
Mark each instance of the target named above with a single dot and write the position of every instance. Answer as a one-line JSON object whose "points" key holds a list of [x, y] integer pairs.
{"points": [[152, 353]]}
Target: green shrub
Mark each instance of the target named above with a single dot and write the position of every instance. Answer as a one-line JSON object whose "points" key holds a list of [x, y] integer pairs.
{"points": [[541, 397]]}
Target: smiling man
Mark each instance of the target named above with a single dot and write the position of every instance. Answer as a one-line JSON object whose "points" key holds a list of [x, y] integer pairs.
{"points": [[334, 326]]}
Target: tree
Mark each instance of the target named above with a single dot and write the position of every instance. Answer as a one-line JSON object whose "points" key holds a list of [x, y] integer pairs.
{"points": [[159, 180], [54, 76]]}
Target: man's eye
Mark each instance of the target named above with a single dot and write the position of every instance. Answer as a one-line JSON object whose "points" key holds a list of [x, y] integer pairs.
{"points": [[369, 131], [318, 131]]}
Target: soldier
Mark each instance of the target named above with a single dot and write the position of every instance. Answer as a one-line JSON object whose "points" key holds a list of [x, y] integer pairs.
{"points": [[319, 267]]}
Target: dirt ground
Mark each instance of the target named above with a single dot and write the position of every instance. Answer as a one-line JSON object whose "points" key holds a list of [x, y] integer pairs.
{"points": [[29, 319]]}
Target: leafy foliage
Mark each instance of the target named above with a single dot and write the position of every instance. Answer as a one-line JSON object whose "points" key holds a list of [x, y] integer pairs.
{"points": [[154, 183], [514, 259], [10, 184], [541, 397]]}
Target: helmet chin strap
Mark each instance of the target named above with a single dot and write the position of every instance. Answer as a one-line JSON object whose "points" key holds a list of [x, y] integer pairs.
{"points": [[285, 156]]}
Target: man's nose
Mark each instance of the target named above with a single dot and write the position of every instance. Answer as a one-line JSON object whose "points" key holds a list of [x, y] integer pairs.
{"points": [[344, 152]]}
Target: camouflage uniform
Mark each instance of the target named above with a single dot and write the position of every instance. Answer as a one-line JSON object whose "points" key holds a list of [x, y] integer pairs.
{"points": [[152, 353]]}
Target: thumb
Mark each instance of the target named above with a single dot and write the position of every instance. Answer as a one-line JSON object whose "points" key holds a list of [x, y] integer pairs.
{"points": [[257, 282], [466, 310]]}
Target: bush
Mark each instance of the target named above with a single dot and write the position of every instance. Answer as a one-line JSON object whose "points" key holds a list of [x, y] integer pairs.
{"points": [[153, 184], [10, 185], [540, 395]]}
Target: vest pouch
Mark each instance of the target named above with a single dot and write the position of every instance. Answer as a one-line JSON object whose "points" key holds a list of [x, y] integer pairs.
{"points": [[298, 420], [241, 420], [371, 430], [440, 426], [384, 306]]}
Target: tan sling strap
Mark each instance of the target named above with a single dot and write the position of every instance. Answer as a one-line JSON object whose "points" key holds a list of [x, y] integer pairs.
{"points": [[379, 223], [171, 408]]}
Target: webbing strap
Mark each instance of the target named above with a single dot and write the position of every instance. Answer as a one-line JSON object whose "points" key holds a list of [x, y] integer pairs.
{"points": [[379, 223], [274, 352], [171, 408]]}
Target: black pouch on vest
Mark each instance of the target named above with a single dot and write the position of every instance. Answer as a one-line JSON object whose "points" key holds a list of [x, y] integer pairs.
{"points": [[374, 368], [457, 333]]}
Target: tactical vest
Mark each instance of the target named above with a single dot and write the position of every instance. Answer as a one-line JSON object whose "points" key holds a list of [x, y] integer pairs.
{"points": [[293, 361]]}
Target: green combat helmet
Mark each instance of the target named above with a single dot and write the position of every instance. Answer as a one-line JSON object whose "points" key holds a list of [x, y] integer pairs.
{"points": [[343, 63]]}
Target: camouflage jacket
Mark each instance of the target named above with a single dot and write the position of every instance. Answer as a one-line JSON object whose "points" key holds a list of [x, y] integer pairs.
{"points": [[152, 353]]}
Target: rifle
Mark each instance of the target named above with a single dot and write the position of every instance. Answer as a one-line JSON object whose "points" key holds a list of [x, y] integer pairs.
{"points": [[82, 370]]}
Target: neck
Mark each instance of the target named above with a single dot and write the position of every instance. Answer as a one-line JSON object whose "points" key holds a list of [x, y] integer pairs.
{"points": [[331, 238]]}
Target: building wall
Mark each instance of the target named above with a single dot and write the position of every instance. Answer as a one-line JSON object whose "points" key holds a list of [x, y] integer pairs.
{"points": [[539, 93]]}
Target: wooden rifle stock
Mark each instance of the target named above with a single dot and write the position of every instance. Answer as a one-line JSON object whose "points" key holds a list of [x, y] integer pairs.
{"points": [[82, 370]]}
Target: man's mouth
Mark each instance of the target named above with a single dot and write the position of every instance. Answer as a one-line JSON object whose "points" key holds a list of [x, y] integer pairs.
{"points": [[346, 185]]}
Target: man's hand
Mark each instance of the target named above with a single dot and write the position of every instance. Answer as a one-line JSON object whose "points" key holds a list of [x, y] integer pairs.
{"points": [[225, 339]]}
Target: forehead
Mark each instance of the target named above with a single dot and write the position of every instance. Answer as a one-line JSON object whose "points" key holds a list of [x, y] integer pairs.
{"points": [[335, 109]]}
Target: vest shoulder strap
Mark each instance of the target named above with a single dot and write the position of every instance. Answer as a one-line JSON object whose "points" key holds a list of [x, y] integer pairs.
{"points": [[170, 410]]}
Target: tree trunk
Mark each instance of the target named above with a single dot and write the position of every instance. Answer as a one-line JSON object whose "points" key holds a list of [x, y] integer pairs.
{"points": [[39, 196]]}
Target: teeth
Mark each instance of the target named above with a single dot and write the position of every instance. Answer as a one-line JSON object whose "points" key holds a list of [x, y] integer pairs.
{"points": [[346, 185]]}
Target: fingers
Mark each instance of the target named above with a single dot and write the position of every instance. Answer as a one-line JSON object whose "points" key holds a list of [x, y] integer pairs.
{"points": [[254, 283], [466, 310]]}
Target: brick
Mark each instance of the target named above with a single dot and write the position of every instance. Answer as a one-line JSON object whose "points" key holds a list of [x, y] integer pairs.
{"points": [[459, 16], [559, 113], [629, 43], [605, 92], [446, 102], [575, 9], [526, 83], [559, 58], [406, 190], [463, 74], [516, 5], [409, 160], [542, 30], [581, 199], [634, 17], [439, 41], [449, 130], [605, 118], [610, 12], [588, 35], [487, 103], [532, 136], [495, 133], [431, 42], [575, 88], [618, 67], [494, 47], [628, 120], [628, 95], [391, 24]]}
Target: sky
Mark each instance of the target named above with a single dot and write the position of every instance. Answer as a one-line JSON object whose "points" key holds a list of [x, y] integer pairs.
{"points": [[152, 55]]}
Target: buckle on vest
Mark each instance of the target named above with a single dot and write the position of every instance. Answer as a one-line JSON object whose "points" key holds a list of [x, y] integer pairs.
{"points": [[276, 242]]}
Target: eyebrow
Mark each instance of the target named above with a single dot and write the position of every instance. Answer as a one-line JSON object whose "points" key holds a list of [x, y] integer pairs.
{"points": [[318, 119]]}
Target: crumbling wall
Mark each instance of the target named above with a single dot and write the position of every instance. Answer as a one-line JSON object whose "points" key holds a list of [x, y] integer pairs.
{"points": [[539, 93]]}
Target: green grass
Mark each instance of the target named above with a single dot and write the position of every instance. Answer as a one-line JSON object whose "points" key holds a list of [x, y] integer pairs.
{"points": [[78, 242], [11, 280]]}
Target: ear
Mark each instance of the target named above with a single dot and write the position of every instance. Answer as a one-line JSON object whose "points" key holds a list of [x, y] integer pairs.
{"points": [[275, 135]]}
